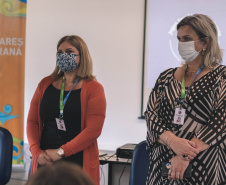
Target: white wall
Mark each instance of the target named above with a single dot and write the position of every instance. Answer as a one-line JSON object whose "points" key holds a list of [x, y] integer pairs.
{"points": [[113, 31]]}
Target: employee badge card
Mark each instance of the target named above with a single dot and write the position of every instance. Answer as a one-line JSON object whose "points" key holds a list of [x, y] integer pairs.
{"points": [[179, 116]]}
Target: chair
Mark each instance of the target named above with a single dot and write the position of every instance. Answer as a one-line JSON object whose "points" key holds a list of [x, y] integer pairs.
{"points": [[29, 171], [139, 165], [6, 152]]}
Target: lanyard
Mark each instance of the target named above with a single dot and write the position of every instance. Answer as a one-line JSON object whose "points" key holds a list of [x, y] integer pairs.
{"points": [[63, 102], [183, 82]]}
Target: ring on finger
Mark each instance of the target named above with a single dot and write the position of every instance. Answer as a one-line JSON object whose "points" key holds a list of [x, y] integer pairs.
{"points": [[186, 156]]}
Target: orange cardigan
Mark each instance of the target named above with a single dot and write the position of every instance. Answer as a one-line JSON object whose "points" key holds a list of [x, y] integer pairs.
{"points": [[93, 111]]}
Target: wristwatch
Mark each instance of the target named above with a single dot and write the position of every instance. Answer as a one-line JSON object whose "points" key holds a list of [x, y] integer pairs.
{"points": [[60, 152]]}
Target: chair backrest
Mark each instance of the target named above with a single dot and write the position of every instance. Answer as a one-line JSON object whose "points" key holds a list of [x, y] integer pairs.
{"points": [[29, 171], [140, 164], [6, 152]]}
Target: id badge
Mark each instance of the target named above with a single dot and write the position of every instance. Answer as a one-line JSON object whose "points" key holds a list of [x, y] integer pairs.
{"points": [[179, 116], [60, 124]]}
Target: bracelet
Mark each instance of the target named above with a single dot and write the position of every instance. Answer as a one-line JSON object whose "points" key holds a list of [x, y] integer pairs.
{"points": [[170, 140], [166, 140]]}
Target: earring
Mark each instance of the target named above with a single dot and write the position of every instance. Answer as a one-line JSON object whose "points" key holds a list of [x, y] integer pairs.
{"points": [[203, 51]]}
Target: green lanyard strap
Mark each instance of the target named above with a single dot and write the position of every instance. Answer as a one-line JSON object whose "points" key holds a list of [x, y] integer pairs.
{"points": [[61, 98], [183, 94], [183, 89]]}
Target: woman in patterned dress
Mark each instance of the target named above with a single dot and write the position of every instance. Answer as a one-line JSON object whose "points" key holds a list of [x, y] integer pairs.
{"points": [[186, 112]]}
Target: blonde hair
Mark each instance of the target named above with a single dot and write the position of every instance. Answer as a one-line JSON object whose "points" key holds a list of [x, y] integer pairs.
{"points": [[85, 66], [205, 27]]}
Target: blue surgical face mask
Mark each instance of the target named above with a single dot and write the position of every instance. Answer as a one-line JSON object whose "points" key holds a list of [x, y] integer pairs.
{"points": [[66, 62]]}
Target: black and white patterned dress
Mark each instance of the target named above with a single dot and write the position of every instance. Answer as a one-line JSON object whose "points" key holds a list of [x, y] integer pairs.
{"points": [[205, 119]]}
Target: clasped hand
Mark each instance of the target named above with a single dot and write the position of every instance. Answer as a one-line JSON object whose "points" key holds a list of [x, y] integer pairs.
{"points": [[48, 156], [177, 168], [183, 147]]}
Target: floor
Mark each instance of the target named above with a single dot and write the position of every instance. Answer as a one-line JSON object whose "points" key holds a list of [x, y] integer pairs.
{"points": [[18, 178], [19, 173]]}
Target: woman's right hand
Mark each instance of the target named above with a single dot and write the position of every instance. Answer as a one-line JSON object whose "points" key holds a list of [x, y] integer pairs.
{"points": [[44, 158], [185, 147]]}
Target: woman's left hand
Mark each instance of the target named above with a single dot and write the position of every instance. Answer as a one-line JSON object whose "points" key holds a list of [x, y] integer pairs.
{"points": [[53, 154], [177, 169], [201, 146]]}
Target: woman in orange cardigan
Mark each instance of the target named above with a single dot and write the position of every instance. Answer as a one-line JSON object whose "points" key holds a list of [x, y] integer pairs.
{"points": [[67, 111]]}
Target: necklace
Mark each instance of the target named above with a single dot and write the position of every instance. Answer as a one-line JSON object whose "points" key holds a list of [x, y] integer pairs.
{"points": [[190, 71], [187, 72]]}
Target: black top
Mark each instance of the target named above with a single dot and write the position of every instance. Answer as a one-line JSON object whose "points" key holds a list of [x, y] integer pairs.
{"points": [[52, 137]]}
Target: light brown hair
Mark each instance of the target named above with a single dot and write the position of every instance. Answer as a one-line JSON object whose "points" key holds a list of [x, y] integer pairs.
{"points": [[84, 69], [205, 27], [60, 173]]}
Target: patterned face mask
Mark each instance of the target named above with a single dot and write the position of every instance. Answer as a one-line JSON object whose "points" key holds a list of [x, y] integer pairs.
{"points": [[66, 62]]}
